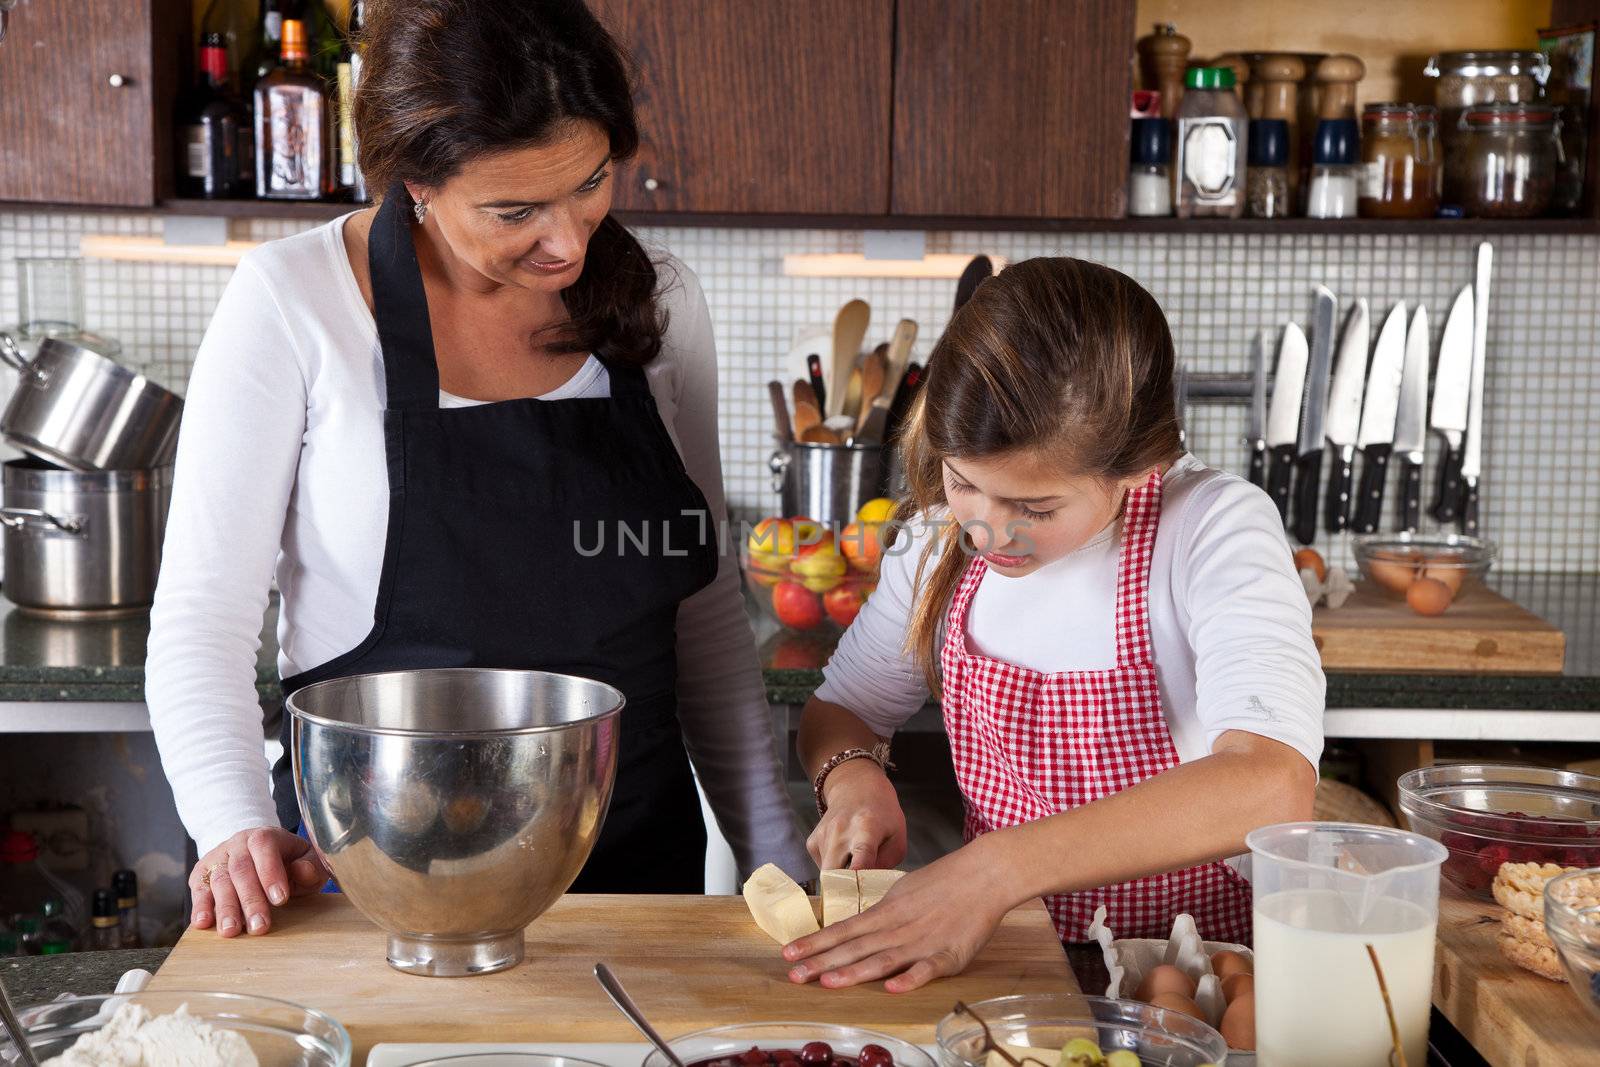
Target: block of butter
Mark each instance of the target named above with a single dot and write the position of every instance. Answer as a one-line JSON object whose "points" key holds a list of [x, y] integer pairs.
{"points": [[841, 896], [779, 906], [875, 884]]}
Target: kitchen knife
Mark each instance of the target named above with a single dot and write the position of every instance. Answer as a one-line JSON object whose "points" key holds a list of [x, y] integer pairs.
{"points": [[1180, 400], [818, 386], [1411, 421], [1256, 432], [1452, 383], [1344, 413], [1472, 449], [1378, 413], [1283, 419], [979, 270], [910, 381], [1313, 418]]}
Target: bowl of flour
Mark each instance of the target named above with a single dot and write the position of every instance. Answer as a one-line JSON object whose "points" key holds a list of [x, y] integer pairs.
{"points": [[173, 1028]]}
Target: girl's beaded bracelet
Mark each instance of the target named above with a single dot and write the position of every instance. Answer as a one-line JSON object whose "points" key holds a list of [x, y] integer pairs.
{"points": [[878, 753]]}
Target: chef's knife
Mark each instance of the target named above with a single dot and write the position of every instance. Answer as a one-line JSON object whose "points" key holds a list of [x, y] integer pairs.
{"points": [[1411, 421], [1180, 400], [1452, 381], [1378, 412], [1313, 418], [1472, 450], [1256, 434], [818, 385], [1283, 419], [1344, 413]]}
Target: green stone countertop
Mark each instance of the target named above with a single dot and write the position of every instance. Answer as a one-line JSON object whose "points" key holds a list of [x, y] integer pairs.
{"points": [[49, 660]]}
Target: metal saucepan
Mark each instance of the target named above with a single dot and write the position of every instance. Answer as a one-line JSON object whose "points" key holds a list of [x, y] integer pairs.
{"points": [[76, 408], [82, 542]]}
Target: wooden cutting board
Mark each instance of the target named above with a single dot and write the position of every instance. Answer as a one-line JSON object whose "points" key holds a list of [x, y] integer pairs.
{"points": [[1511, 1016], [1482, 632], [690, 963]]}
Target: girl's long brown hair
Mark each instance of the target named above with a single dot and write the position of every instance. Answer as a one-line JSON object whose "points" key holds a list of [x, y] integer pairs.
{"points": [[445, 82], [1055, 355]]}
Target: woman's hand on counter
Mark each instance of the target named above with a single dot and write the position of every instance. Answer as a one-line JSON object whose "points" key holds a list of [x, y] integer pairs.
{"points": [[864, 826], [930, 925], [235, 884]]}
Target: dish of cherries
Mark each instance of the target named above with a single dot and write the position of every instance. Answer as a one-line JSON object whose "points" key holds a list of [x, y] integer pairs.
{"points": [[1474, 860], [813, 1054]]}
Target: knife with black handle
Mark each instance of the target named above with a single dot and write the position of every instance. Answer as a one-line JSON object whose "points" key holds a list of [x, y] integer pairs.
{"points": [[1369, 498], [1444, 506], [1313, 417], [1278, 477], [1258, 463], [1308, 479], [1341, 483], [1410, 495], [1469, 509]]}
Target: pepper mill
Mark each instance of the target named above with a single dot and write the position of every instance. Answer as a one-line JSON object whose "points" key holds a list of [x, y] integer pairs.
{"points": [[1163, 57], [1336, 86], [1274, 94]]}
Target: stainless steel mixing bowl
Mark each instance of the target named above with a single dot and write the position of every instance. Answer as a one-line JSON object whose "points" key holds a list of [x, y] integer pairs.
{"points": [[454, 806]]}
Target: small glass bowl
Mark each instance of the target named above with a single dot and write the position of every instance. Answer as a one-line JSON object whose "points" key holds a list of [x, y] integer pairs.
{"points": [[732, 1040], [1157, 1036], [1391, 562], [280, 1034], [1489, 814], [1572, 918]]}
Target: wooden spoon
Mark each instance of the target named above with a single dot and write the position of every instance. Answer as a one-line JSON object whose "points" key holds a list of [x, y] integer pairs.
{"points": [[905, 336], [780, 412], [874, 372], [806, 413], [852, 396], [820, 435], [849, 328]]}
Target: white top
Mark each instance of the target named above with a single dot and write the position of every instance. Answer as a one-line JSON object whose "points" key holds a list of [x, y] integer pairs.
{"points": [[1229, 622], [281, 473]]}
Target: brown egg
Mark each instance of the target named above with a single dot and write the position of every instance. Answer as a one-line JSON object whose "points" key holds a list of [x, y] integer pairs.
{"points": [[1237, 985], [1446, 567], [1394, 571], [1309, 559], [1238, 1025], [1179, 1003], [1165, 979], [1429, 596], [1228, 962]]}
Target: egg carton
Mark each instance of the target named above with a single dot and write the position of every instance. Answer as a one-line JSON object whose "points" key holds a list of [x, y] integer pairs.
{"points": [[1129, 959]]}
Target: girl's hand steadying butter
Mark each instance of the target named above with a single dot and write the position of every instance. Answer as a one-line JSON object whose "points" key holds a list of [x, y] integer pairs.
{"points": [[930, 925]]}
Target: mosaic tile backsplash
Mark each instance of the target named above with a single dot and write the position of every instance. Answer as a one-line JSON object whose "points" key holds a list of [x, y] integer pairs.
{"points": [[1541, 497]]}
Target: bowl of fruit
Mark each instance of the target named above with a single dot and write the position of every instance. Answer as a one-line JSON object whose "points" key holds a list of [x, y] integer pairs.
{"points": [[1074, 1031], [791, 1045], [1427, 571], [1572, 918], [1487, 814], [810, 577]]}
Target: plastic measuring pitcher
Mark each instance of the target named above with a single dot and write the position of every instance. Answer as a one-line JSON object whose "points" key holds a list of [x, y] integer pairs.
{"points": [[1324, 894]]}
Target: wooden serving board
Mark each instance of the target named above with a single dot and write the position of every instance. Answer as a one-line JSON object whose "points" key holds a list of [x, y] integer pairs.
{"points": [[1513, 1017], [1482, 632], [690, 963]]}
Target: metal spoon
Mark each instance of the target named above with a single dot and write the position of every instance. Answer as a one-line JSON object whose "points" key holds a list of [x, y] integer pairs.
{"points": [[625, 1004], [19, 1036]]}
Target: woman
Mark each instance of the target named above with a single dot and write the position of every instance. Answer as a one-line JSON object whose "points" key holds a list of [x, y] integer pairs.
{"points": [[1122, 648], [417, 416]]}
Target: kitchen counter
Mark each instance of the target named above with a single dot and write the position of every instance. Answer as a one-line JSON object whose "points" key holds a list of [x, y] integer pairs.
{"points": [[37, 979], [44, 660]]}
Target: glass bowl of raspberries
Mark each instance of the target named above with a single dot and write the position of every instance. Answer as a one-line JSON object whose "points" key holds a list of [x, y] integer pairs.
{"points": [[791, 1044], [1489, 814]]}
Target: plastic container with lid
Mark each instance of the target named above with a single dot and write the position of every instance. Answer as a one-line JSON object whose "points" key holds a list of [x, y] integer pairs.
{"points": [[1332, 194], [1267, 184], [1210, 153], [1150, 169], [1504, 163], [1400, 172], [1467, 79]]}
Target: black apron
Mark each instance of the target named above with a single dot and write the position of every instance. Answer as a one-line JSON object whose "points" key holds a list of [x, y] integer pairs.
{"points": [[495, 512]]}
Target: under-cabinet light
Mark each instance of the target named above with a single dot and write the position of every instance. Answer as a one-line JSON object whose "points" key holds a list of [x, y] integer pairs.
{"points": [[856, 265]]}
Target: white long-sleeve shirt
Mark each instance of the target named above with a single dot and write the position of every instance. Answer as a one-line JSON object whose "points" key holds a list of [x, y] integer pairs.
{"points": [[1229, 622], [281, 473]]}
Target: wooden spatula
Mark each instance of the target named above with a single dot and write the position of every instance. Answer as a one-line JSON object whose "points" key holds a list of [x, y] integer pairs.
{"points": [[905, 336], [807, 415], [780, 412], [874, 371], [849, 328]]}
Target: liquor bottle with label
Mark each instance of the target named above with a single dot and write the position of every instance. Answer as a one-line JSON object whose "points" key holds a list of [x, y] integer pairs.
{"points": [[293, 154], [103, 924], [350, 178], [269, 41], [125, 884], [217, 142], [236, 21]]}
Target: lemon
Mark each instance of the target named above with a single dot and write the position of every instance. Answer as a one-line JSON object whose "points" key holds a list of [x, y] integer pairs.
{"points": [[879, 509]]}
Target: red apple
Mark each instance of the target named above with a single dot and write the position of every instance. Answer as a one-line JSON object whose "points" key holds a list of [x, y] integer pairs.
{"points": [[796, 606], [844, 603]]}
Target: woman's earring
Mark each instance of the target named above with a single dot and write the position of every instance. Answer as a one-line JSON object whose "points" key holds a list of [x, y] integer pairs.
{"points": [[420, 208]]}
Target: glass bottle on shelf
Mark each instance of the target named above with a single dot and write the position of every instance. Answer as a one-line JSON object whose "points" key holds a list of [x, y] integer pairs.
{"points": [[125, 884], [104, 923], [28, 934], [1505, 161], [293, 161], [217, 142], [1267, 182], [1211, 146], [56, 934], [1333, 171], [1400, 173], [1150, 169], [269, 40], [350, 178], [235, 21]]}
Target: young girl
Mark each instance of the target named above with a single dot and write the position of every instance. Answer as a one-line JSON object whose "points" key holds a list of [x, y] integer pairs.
{"points": [[1116, 633]]}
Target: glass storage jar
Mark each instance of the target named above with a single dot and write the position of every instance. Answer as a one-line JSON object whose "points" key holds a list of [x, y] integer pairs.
{"points": [[1467, 79], [1504, 164], [1400, 170]]}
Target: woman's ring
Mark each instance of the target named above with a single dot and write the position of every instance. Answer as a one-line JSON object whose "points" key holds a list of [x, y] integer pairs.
{"points": [[205, 879]]}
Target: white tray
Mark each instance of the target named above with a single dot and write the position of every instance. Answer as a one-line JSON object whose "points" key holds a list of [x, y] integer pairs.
{"points": [[608, 1055]]}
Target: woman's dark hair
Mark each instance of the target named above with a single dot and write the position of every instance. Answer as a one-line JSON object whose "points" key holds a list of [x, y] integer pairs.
{"points": [[445, 82], [1057, 355]]}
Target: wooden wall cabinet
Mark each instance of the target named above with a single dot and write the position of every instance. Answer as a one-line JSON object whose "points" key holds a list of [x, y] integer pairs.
{"points": [[86, 98]]}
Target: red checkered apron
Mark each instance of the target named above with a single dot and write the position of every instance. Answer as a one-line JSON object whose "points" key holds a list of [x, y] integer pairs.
{"points": [[1027, 745]]}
